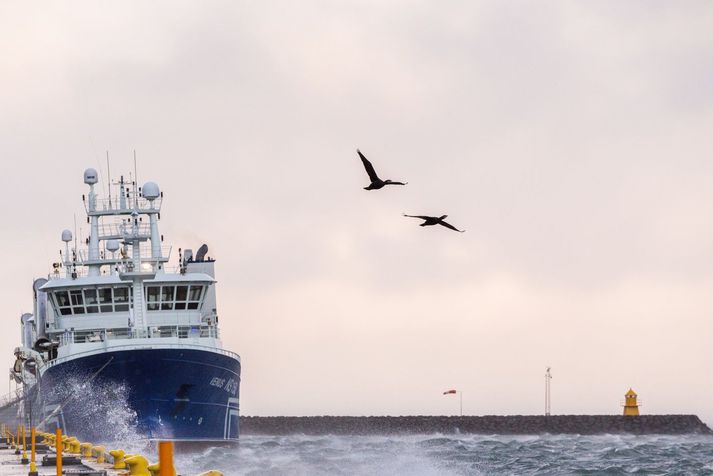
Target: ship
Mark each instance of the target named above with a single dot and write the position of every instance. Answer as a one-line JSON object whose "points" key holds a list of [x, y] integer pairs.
{"points": [[118, 328]]}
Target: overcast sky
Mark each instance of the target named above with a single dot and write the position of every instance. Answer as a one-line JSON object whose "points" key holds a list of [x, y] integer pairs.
{"points": [[572, 140]]}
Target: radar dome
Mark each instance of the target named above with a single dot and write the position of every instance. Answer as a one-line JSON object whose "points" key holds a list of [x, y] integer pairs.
{"points": [[66, 236], [112, 245], [150, 191], [91, 176]]}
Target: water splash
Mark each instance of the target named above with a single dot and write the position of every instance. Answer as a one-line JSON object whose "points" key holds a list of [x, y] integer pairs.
{"points": [[100, 408]]}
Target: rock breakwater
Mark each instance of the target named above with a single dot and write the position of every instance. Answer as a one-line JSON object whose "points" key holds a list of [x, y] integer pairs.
{"points": [[513, 424]]}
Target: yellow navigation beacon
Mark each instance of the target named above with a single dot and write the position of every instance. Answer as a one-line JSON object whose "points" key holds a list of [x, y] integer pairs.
{"points": [[631, 408]]}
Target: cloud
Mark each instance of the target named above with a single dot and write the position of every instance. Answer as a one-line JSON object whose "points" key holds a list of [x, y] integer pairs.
{"points": [[570, 139]]}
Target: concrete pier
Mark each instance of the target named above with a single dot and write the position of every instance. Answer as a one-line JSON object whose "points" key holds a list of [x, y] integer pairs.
{"points": [[10, 465]]}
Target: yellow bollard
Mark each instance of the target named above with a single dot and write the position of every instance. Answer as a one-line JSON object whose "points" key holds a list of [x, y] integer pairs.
{"points": [[154, 469], [59, 451], [33, 466], [165, 459], [98, 453], [86, 450], [74, 446], [118, 456], [138, 465]]}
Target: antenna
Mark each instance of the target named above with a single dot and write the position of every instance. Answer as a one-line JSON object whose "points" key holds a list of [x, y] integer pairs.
{"points": [[75, 232], [136, 180], [102, 180], [108, 174]]}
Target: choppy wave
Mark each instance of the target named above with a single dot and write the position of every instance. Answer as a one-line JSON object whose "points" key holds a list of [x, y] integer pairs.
{"points": [[425, 455], [418, 455]]}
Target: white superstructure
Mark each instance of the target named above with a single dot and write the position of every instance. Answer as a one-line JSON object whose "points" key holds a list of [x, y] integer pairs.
{"points": [[114, 291]]}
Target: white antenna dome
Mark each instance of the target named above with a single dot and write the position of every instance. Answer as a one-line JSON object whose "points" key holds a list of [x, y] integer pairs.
{"points": [[112, 245], [66, 236], [91, 176], [151, 191]]}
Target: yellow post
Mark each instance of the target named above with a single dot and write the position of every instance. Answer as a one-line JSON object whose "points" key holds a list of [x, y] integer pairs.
{"points": [[165, 459], [631, 407], [24, 459], [59, 451], [33, 466]]}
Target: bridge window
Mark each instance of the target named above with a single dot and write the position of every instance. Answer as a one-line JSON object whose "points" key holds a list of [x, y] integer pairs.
{"points": [[153, 297], [62, 300], [105, 299], [181, 297], [121, 299], [167, 297], [171, 297], [77, 301], [92, 300]]}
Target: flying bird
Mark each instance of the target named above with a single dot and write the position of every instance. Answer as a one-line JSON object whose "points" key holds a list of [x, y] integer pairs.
{"points": [[430, 221], [376, 182]]}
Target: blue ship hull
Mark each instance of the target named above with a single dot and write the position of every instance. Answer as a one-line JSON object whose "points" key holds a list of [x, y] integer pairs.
{"points": [[164, 393]]}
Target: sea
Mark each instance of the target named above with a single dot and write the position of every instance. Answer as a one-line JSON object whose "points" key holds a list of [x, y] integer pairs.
{"points": [[422, 455], [417, 455]]}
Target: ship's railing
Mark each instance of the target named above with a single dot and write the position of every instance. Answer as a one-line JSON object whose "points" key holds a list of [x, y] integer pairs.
{"points": [[81, 270], [123, 229], [60, 273], [145, 250], [154, 332], [118, 348], [104, 204]]}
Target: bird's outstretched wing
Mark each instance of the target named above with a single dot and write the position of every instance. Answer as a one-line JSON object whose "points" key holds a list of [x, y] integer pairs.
{"points": [[422, 217], [448, 225], [369, 168]]}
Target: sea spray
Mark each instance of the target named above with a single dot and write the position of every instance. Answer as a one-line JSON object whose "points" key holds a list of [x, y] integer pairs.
{"points": [[100, 409], [437, 454]]}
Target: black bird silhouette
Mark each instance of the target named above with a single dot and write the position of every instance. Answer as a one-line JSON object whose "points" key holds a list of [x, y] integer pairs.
{"points": [[376, 182], [430, 221]]}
